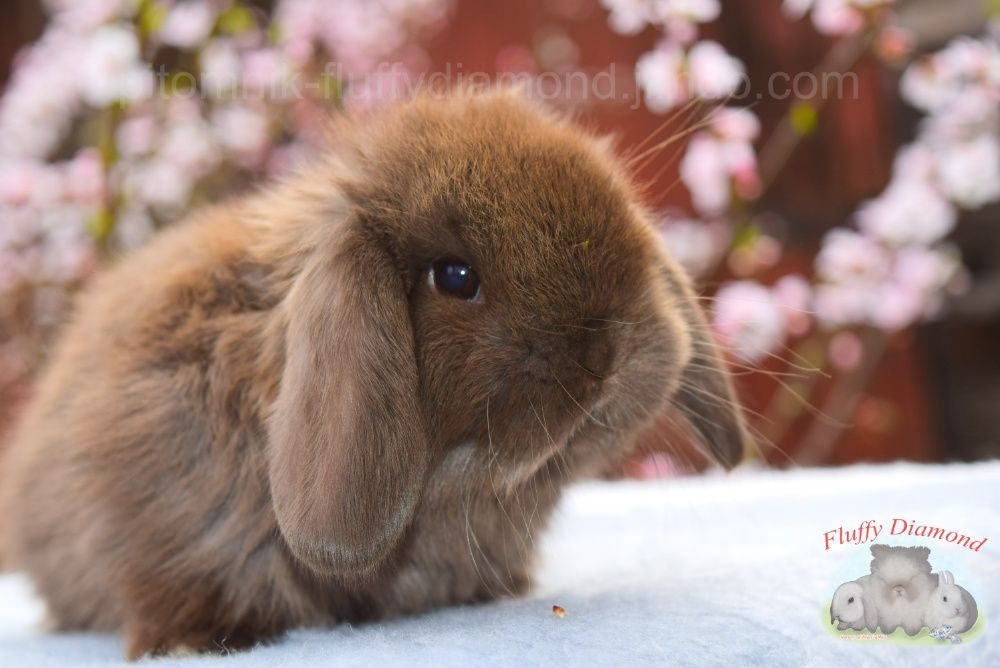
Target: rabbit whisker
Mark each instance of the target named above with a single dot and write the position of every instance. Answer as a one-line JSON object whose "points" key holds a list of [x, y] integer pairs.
{"points": [[579, 405]]}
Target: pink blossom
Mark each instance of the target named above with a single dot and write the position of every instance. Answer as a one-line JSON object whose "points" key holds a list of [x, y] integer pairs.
{"points": [[836, 305], [933, 82], [895, 306], [42, 97], [907, 291], [136, 135], [966, 115], [762, 252], [187, 24], [242, 130], [680, 30], [926, 86], [714, 73], [628, 17], [894, 44], [794, 296], [923, 270], [736, 124], [914, 163], [190, 142], [16, 179], [908, 212], [697, 246], [266, 70], [796, 9], [162, 184], [220, 68], [717, 162], [834, 17], [969, 171], [84, 178], [669, 78], [660, 74], [705, 171], [357, 33], [699, 11], [748, 320], [111, 70], [851, 258], [47, 187], [741, 161], [85, 15]]}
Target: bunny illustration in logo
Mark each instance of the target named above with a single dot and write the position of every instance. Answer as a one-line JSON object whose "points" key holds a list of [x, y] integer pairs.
{"points": [[853, 606], [950, 606], [902, 586], [902, 592]]}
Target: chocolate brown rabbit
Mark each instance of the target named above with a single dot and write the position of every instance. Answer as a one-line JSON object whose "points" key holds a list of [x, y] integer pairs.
{"points": [[358, 393]]}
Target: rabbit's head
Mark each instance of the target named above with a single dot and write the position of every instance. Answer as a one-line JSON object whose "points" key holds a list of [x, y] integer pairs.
{"points": [[948, 607], [852, 606], [486, 279]]}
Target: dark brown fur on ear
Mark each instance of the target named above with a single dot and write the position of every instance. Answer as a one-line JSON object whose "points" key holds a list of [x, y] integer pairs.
{"points": [[705, 395], [347, 452]]}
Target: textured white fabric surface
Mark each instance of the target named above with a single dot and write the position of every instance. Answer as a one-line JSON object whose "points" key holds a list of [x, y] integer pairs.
{"points": [[719, 570]]}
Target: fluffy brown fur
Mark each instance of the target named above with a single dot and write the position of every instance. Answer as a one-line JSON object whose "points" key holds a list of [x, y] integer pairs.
{"points": [[268, 418]]}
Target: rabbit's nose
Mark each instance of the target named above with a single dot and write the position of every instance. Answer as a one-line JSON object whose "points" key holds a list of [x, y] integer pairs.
{"points": [[583, 350]]}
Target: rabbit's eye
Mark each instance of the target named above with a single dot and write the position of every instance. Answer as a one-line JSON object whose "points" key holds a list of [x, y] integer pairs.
{"points": [[455, 279], [945, 599], [850, 600]]}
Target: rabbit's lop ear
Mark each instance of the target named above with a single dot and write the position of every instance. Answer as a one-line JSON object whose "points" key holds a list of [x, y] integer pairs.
{"points": [[347, 451], [706, 395]]}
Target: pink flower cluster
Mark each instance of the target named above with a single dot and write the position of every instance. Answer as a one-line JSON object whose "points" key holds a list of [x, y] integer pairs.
{"points": [[223, 118], [680, 67], [895, 267], [721, 162], [753, 321], [836, 17]]}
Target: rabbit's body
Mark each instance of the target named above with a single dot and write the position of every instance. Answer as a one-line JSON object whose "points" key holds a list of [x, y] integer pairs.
{"points": [[902, 586], [205, 553], [267, 418]]}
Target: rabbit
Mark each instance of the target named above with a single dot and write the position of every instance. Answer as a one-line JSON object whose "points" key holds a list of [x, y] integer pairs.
{"points": [[950, 605], [901, 586], [853, 607], [356, 393]]}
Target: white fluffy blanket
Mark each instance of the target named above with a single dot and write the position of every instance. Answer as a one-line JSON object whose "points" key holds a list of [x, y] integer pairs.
{"points": [[720, 570]]}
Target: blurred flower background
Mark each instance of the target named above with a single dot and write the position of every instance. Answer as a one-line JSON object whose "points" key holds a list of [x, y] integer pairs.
{"points": [[827, 170]]}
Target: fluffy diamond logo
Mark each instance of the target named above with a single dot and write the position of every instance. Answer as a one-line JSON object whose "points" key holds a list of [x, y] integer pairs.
{"points": [[902, 591]]}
